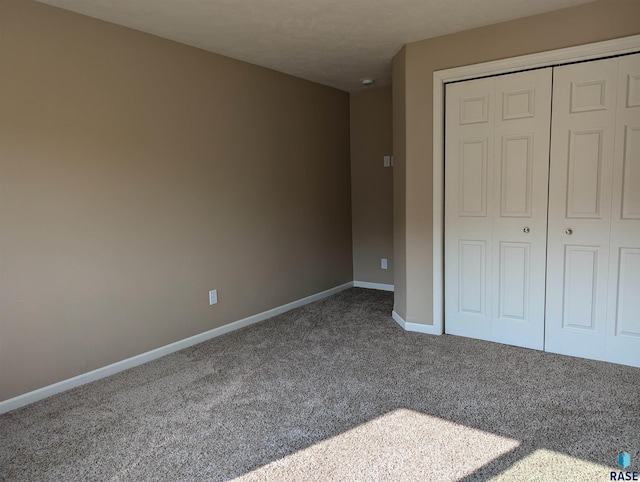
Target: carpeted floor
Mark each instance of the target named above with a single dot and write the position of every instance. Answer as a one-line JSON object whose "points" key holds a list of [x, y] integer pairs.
{"points": [[335, 390]]}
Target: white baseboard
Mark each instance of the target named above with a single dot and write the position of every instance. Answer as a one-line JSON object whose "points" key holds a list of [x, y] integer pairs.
{"points": [[373, 286], [64, 385], [417, 327]]}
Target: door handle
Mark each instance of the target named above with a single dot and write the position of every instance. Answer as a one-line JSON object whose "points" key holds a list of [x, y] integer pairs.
{"points": [[569, 231], [526, 229]]}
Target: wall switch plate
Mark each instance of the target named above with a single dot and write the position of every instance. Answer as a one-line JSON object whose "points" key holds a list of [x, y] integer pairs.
{"points": [[213, 297], [387, 161], [383, 263]]}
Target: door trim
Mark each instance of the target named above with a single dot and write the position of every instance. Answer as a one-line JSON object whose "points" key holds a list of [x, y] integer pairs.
{"points": [[550, 58]]}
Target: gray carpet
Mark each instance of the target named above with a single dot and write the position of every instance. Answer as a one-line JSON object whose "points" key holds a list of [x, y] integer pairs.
{"points": [[335, 391]]}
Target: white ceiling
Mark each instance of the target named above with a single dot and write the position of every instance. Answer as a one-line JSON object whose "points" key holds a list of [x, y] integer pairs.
{"points": [[333, 42]]}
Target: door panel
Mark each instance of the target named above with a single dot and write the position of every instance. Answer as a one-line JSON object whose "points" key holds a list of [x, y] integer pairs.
{"points": [[521, 171], [623, 314], [516, 184], [631, 174], [584, 179], [514, 281], [468, 212], [588, 96], [473, 178], [580, 287], [632, 82], [471, 279], [497, 143], [628, 301], [580, 187]]}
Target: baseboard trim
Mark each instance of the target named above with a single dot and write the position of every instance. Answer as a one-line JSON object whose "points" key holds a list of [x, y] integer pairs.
{"points": [[373, 286], [417, 327], [99, 373]]}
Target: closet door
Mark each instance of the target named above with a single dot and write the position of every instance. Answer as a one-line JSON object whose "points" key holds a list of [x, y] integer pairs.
{"points": [[582, 146], [623, 303], [594, 212], [496, 176], [469, 136]]}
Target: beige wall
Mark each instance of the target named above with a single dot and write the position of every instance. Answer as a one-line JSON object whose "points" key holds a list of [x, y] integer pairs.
{"points": [[371, 185], [136, 174], [413, 74]]}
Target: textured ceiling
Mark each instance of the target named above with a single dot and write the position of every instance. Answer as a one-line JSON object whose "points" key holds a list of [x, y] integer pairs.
{"points": [[333, 42]]}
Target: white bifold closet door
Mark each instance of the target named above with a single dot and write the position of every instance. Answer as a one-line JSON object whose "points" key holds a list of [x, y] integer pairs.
{"points": [[593, 263], [496, 191]]}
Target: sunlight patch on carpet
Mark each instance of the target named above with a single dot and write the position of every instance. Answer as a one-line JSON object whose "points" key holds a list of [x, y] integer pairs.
{"points": [[401, 444], [544, 464]]}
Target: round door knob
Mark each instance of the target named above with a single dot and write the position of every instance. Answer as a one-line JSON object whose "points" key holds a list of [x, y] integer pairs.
{"points": [[569, 231], [526, 229]]}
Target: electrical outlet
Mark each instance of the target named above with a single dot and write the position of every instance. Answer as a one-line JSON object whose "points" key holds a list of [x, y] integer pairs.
{"points": [[383, 263], [386, 161], [213, 297]]}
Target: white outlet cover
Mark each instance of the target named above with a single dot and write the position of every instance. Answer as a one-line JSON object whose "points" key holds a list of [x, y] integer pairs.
{"points": [[383, 263], [213, 297]]}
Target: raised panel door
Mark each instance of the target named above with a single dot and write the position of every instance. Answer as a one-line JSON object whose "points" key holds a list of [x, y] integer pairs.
{"points": [[496, 171], [580, 189], [468, 208], [623, 305]]}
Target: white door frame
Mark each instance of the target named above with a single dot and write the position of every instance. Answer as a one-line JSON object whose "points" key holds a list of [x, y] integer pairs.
{"points": [[591, 51]]}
